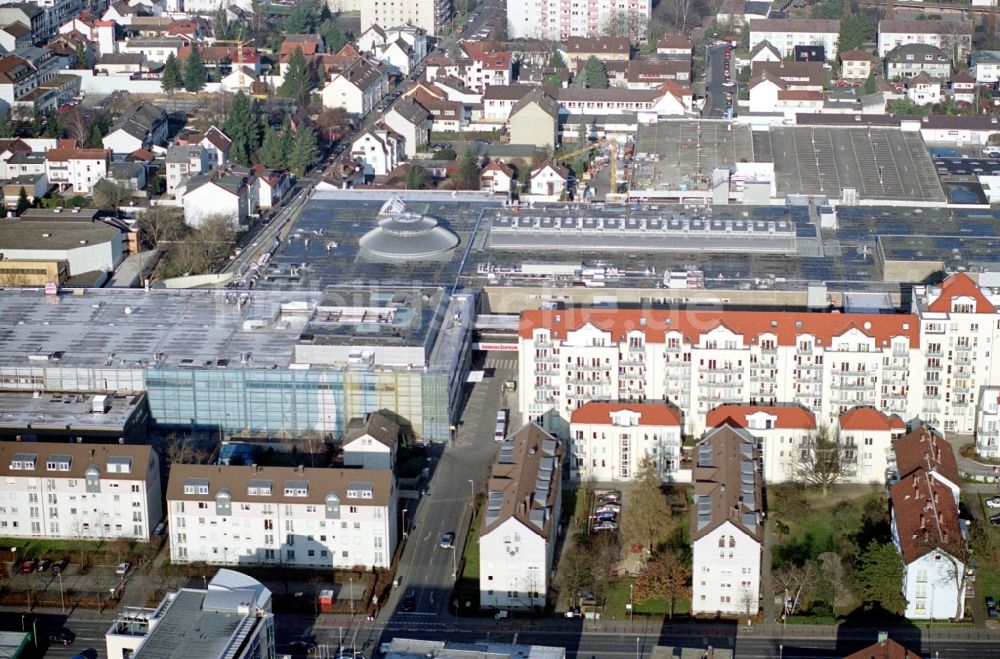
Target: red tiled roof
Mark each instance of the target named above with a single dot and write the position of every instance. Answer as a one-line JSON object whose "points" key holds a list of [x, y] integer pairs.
{"points": [[651, 414], [785, 326], [788, 416], [926, 516], [925, 449], [890, 649], [799, 95], [868, 418], [856, 55], [960, 285]]}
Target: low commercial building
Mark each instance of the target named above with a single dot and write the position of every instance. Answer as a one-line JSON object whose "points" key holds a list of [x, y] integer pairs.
{"points": [[518, 537], [232, 618], [727, 529], [79, 491], [57, 247], [611, 440], [290, 516]]}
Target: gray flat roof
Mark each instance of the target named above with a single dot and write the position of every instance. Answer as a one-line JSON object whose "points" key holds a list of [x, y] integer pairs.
{"points": [[53, 235], [65, 411], [187, 630], [672, 153]]}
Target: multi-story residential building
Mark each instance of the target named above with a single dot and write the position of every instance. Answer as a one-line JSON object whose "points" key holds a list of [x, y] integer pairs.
{"points": [[953, 37], [912, 59], [140, 127], [924, 448], [185, 161], [30, 15], [293, 516], [234, 606], [358, 88], [958, 355], [558, 20], [985, 66], [429, 15], [71, 168], [518, 537], [855, 65], [222, 192], [412, 121], [22, 73], [378, 151], [988, 423], [726, 526], [371, 443], [780, 431], [866, 437], [787, 33], [917, 364], [928, 534], [86, 491], [610, 440], [606, 49]]}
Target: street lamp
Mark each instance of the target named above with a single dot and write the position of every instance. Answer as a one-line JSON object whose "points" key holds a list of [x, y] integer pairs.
{"points": [[351, 582], [454, 564], [631, 608], [62, 600], [404, 522], [472, 488]]}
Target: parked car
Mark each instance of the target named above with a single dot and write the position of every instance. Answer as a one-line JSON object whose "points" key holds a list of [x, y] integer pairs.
{"points": [[606, 517], [991, 607], [61, 637], [59, 566], [123, 568], [995, 520], [408, 603], [43, 565], [448, 540], [608, 508], [611, 497], [605, 526], [28, 566], [162, 526], [574, 613], [993, 502]]}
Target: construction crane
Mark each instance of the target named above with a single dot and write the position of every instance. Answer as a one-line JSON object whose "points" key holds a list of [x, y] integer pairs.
{"points": [[240, 44]]}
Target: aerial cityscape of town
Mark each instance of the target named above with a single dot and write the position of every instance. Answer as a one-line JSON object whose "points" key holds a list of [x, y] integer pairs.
{"points": [[499, 329]]}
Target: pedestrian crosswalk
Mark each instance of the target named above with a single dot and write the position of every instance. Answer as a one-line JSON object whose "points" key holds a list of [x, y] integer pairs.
{"points": [[506, 362]]}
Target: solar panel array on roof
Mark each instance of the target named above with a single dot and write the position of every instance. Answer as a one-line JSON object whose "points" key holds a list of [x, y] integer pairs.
{"points": [[506, 452]]}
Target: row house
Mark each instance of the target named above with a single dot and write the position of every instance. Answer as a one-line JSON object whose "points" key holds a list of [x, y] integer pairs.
{"points": [[70, 168], [929, 363], [79, 491], [609, 441], [727, 530], [926, 529], [787, 33], [953, 37], [517, 539], [291, 516], [358, 88]]}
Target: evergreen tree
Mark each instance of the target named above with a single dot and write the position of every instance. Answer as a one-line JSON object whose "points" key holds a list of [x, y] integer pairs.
{"points": [[556, 60], [81, 56], [6, 127], [95, 139], [415, 179], [22, 201], [596, 74], [298, 79], [271, 154], [468, 171], [172, 78], [285, 139], [195, 74], [304, 153], [37, 122], [243, 129], [302, 19], [333, 38]]}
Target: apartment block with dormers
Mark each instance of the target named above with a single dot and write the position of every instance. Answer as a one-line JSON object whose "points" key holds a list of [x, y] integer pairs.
{"points": [[292, 516], [610, 441], [85, 491], [929, 363]]}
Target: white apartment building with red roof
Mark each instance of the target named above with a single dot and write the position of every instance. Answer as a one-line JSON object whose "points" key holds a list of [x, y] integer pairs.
{"points": [[610, 440], [867, 436], [917, 364], [780, 431]]}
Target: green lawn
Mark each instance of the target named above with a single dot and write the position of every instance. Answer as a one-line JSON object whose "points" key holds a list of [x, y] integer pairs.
{"points": [[988, 566], [467, 585], [618, 596], [41, 547]]}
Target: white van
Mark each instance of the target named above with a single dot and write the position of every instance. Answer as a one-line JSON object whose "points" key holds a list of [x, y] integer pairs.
{"points": [[500, 432]]}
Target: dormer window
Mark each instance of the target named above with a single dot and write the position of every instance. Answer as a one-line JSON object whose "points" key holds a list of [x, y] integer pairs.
{"points": [[259, 488], [196, 486], [24, 462], [58, 463], [297, 488]]}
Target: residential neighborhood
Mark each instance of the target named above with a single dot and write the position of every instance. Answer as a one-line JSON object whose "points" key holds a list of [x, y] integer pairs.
{"points": [[497, 328]]}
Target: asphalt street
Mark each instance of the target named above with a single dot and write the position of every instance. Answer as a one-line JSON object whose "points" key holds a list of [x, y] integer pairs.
{"points": [[715, 83]]}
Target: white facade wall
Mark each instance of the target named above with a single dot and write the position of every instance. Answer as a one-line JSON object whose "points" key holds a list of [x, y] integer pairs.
{"points": [[299, 535], [930, 584], [786, 41], [872, 450], [514, 561], [778, 445], [211, 200], [367, 453], [103, 257], [429, 15], [41, 503], [988, 423], [609, 452], [726, 564], [556, 20]]}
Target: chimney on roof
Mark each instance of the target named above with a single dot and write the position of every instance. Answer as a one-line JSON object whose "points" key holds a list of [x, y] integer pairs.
{"points": [[300, 468], [883, 638]]}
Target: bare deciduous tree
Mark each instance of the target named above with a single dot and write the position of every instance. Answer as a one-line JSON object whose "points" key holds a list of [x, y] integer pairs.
{"points": [[821, 460], [161, 224], [665, 577], [645, 508], [795, 582]]}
